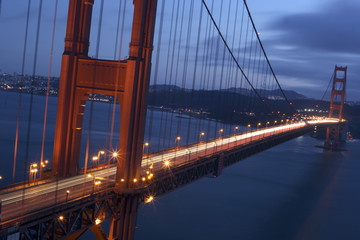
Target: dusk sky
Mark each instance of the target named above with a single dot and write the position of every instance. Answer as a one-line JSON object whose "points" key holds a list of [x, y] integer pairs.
{"points": [[303, 39]]}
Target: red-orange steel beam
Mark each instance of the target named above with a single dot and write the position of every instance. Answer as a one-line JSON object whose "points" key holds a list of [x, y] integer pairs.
{"points": [[336, 109]]}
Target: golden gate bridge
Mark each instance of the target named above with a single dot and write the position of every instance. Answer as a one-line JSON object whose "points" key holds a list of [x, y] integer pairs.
{"points": [[216, 57]]}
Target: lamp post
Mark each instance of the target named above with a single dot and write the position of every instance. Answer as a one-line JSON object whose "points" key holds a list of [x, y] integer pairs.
{"points": [[115, 155], [187, 153], [67, 195], [101, 152], [220, 132], [215, 145], [177, 141], [146, 145], [95, 159], [42, 166], [202, 134], [235, 129], [267, 124], [247, 127], [258, 125], [33, 171], [95, 183]]}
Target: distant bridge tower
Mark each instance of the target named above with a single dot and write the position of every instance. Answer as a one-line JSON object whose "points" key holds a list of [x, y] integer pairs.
{"points": [[336, 106]]}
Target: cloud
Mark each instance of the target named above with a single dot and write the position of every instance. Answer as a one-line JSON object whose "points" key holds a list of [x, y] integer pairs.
{"points": [[307, 46], [333, 29]]}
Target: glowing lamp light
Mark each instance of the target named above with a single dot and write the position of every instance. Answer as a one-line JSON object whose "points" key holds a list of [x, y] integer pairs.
{"points": [[149, 199], [34, 165], [202, 134], [135, 180], [67, 191], [115, 154], [89, 175], [122, 180], [95, 158], [46, 161], [102, 152], [146, 144], [61, 218], [0, 177], [97, 221], [167, 163], [143, 179]]}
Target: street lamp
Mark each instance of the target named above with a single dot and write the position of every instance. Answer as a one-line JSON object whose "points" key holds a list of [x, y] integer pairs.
{"points": [[258, 125], [235, 129], [149, 199], [275, 122], [267, 124], [115, 155], [202, 134], [96, 159], [101, 152], [95, 183], [215, 145], [247, 127], [146, 145], [42, 166], [220, 132], [177, 140], [188, 153], [67, 195], [33, 171]]}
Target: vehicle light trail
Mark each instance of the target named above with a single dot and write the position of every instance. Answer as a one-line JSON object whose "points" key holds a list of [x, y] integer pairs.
{"points": [[41, 195]]}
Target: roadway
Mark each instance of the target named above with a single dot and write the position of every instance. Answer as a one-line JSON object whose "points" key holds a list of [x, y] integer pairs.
{"points": [[17, 202]]}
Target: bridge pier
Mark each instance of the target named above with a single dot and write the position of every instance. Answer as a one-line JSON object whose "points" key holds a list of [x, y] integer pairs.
{"points": [[122, 226]]}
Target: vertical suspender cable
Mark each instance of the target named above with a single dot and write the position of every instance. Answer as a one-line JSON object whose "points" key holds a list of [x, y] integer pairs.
{"points": [[48, 89], [20, 94], [92, 102], [28, 134], [194, 74], [168, 92], [156, 71]]}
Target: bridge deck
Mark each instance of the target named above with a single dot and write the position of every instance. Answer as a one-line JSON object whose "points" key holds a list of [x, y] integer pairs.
{"points": [[17, 202]]}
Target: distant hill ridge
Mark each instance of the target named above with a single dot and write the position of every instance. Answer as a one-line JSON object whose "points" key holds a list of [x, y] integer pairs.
{"points": [[273, 94]]}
